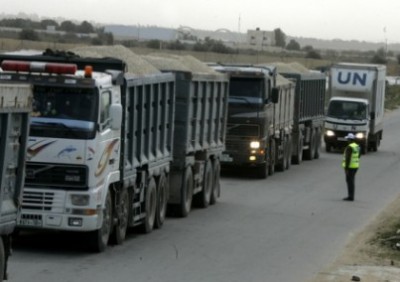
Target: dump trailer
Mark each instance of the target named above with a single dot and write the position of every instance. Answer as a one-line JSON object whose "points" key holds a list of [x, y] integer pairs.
{"points": [[100, 145], [283, 122], [260, 119], [15, 108], [199, 135], [356, 105], [309, 110]]}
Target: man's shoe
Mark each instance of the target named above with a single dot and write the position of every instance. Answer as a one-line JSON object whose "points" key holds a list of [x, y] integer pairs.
{"points": [[348, 199]]}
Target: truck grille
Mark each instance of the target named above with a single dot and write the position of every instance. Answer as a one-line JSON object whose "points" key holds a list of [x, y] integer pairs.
{"points": [[56, 176], [251, 130], [44, 201]]}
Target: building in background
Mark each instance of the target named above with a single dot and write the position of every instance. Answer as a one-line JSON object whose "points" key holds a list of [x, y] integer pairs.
{"points": [[260, 39]]}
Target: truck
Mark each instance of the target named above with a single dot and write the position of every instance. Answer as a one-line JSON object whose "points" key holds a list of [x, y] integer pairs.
{"points": [[308, 111], [100, 149], [275, 113], [255, 138], [15, 108], [200, 131], [356, 105]]}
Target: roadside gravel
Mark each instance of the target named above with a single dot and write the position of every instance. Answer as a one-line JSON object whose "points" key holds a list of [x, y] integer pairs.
{"points": [[368, 257]]}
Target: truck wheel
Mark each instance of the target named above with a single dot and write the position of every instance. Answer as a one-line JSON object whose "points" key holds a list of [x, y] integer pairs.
{"points": [[162, 200], [317, 143], [205, 194], [2, 261], [119, 234], [376, 143], [262, 171], [99, 238], [216, 187], [186, 193], [328, 147], [309, 153], [299, 156], [281, 164], [272, 152], [150, 206], [289, 153]]}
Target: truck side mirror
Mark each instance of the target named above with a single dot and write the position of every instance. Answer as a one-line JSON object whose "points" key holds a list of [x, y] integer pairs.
{"points": [[116, 116], [275, 95]]}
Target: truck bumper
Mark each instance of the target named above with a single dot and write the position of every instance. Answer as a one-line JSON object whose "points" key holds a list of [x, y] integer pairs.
{"points": [[40, 220], [229, 159], [52, 209]]}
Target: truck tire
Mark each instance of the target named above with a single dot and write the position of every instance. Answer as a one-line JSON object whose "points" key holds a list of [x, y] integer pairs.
{"points": [[328, 147], [216, 187], [262, 171], [162, 200], [272, 157], [122, 215], [205, 194], [3, 274], [150, 204], [289, 153], [297, 159], [376, 143], [309, 153], [99, 238], [281, 163], [186, 193], [317, 143]]}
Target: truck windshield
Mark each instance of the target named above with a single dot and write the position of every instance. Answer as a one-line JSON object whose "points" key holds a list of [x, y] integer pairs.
{"points": [[64, 112], [249, 90], [347, 110]]}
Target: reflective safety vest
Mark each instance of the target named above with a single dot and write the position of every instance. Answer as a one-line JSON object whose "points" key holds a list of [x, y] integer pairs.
{"points": [[355, 156]]}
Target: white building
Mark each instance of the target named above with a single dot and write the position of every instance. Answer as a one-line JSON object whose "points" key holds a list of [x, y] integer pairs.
{"points": [[259, 39]]}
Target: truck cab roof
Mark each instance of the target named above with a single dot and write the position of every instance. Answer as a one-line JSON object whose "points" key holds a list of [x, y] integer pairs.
{"points": [[350, 99], [246, 69]]}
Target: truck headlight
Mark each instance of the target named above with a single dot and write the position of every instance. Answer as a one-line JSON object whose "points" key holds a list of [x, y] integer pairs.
{"points": [[330, 133], [80, 200], [360, 135], [255, 145]]}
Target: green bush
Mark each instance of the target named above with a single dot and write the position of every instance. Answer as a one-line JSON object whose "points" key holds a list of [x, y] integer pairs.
{"points": [[392, 99]]}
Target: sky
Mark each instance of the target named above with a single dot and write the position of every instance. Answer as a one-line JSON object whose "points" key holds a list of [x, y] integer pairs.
{"points": [[361, 20]]}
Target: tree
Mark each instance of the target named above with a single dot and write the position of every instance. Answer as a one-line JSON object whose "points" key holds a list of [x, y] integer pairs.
{"points": [[85, 27], [68, 26], [153, 44], [379, 57], [308, 48], [293, 45], [313, 54], [29, 34], [280, 38]]}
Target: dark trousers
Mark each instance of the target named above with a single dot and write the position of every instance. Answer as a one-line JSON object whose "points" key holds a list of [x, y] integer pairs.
{"points": [[350, 180]]}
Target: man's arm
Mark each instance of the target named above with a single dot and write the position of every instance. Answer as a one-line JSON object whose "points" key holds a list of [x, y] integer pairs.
{"points": [[348, 152]]}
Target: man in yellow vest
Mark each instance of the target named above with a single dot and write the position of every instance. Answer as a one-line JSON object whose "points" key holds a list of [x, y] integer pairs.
{"points": [[350, 164]]}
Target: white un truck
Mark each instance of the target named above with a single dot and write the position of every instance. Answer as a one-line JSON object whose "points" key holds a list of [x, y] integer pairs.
{"points": [[356, 105], [15, 107]]}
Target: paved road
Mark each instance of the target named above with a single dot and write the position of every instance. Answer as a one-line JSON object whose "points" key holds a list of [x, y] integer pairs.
{"points": [[284, 228]]}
